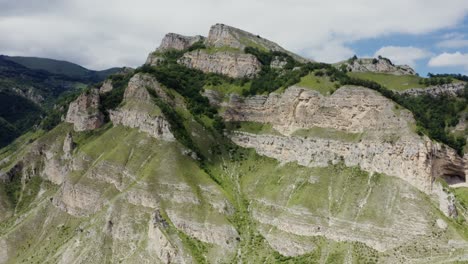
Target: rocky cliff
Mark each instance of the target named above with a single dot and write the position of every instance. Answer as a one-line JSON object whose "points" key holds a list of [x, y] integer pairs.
{"points": [[106, 87], [232, 64], [380, 65], [172, 41], [84, 112], [138, 110], [224, 52], [374, 135], [178, 42], [451, 89]]}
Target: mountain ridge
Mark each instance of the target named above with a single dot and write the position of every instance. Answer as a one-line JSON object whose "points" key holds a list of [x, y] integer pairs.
{"points": [[192, 165]]}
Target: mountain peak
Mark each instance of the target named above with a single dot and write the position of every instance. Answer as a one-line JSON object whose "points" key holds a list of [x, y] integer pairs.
{"points": [[178, 42]]}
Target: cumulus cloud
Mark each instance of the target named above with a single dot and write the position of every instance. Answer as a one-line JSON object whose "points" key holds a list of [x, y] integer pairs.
{"points": [[403, 55], [449, 60], [107, 33]]}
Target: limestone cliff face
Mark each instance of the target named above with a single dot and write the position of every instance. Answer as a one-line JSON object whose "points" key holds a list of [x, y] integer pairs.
{"points": [[178, 42], [233, 64], [386, 143], [351, 109], [172, 41], [221, 35], [451, 89], [30, 93], [380, 65], [139, 111], [106, 87], [84, 112]]}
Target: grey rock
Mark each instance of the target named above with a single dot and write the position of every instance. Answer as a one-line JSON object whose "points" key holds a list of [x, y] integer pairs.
{"points": [[379, 65], [106, 87], [232, 64], [451, 89], [84, 112]]}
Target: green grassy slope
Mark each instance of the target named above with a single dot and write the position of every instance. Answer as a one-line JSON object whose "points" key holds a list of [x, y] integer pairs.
{"points": [[393, 82], [131, 197], [322, 84]]}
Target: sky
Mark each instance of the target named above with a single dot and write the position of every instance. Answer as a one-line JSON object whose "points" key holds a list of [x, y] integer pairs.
{"points": [[429, 35]]}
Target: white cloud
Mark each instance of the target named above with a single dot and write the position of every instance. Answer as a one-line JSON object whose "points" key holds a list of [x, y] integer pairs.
{"points": [[403, 55], [453, 40], [107, 33], [453, 43], [449, 60], [330, 51]]}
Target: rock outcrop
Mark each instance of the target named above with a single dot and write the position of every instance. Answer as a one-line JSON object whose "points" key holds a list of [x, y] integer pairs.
{"points": [[224, 53], [451, 89], [68, 146], [386, 143], [84, 112], [351, 109], [106, 87], [232, 64], [172, 41], [178, 42], [379, 65], [139, 111], [221, 35]]}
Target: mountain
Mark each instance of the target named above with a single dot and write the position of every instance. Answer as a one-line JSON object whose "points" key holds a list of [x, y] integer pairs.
{"points": [[223, 153], [62, 68], [30, 87]]}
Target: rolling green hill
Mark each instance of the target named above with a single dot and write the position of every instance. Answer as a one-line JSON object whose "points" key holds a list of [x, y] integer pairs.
{"points": [[62, 68]]}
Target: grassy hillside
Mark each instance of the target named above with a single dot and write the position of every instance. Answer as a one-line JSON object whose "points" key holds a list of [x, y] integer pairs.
{"points": [[8, 132], [393, 82], [126, 175], [127, 197], [318, 81]]}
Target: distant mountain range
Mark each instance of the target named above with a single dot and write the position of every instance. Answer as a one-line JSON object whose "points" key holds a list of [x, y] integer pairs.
{"points": [[30, 86], [59, 67]]}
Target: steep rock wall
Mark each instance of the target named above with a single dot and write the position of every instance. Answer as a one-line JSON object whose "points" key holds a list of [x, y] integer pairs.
{"points": [[139, 111], [387, 143], [84, 112], [236, 65]]}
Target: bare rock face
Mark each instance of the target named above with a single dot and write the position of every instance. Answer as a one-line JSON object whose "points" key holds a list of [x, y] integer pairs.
{"points": [[172, 41], [84, 112], [106, 87], [380, 65], [68, 146], [351, 109], [30, 94], [178, 42], [386, 143], [139, 111], [232, 64], [451, 89], [277, 63], [221, 35], [214, 97]]}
